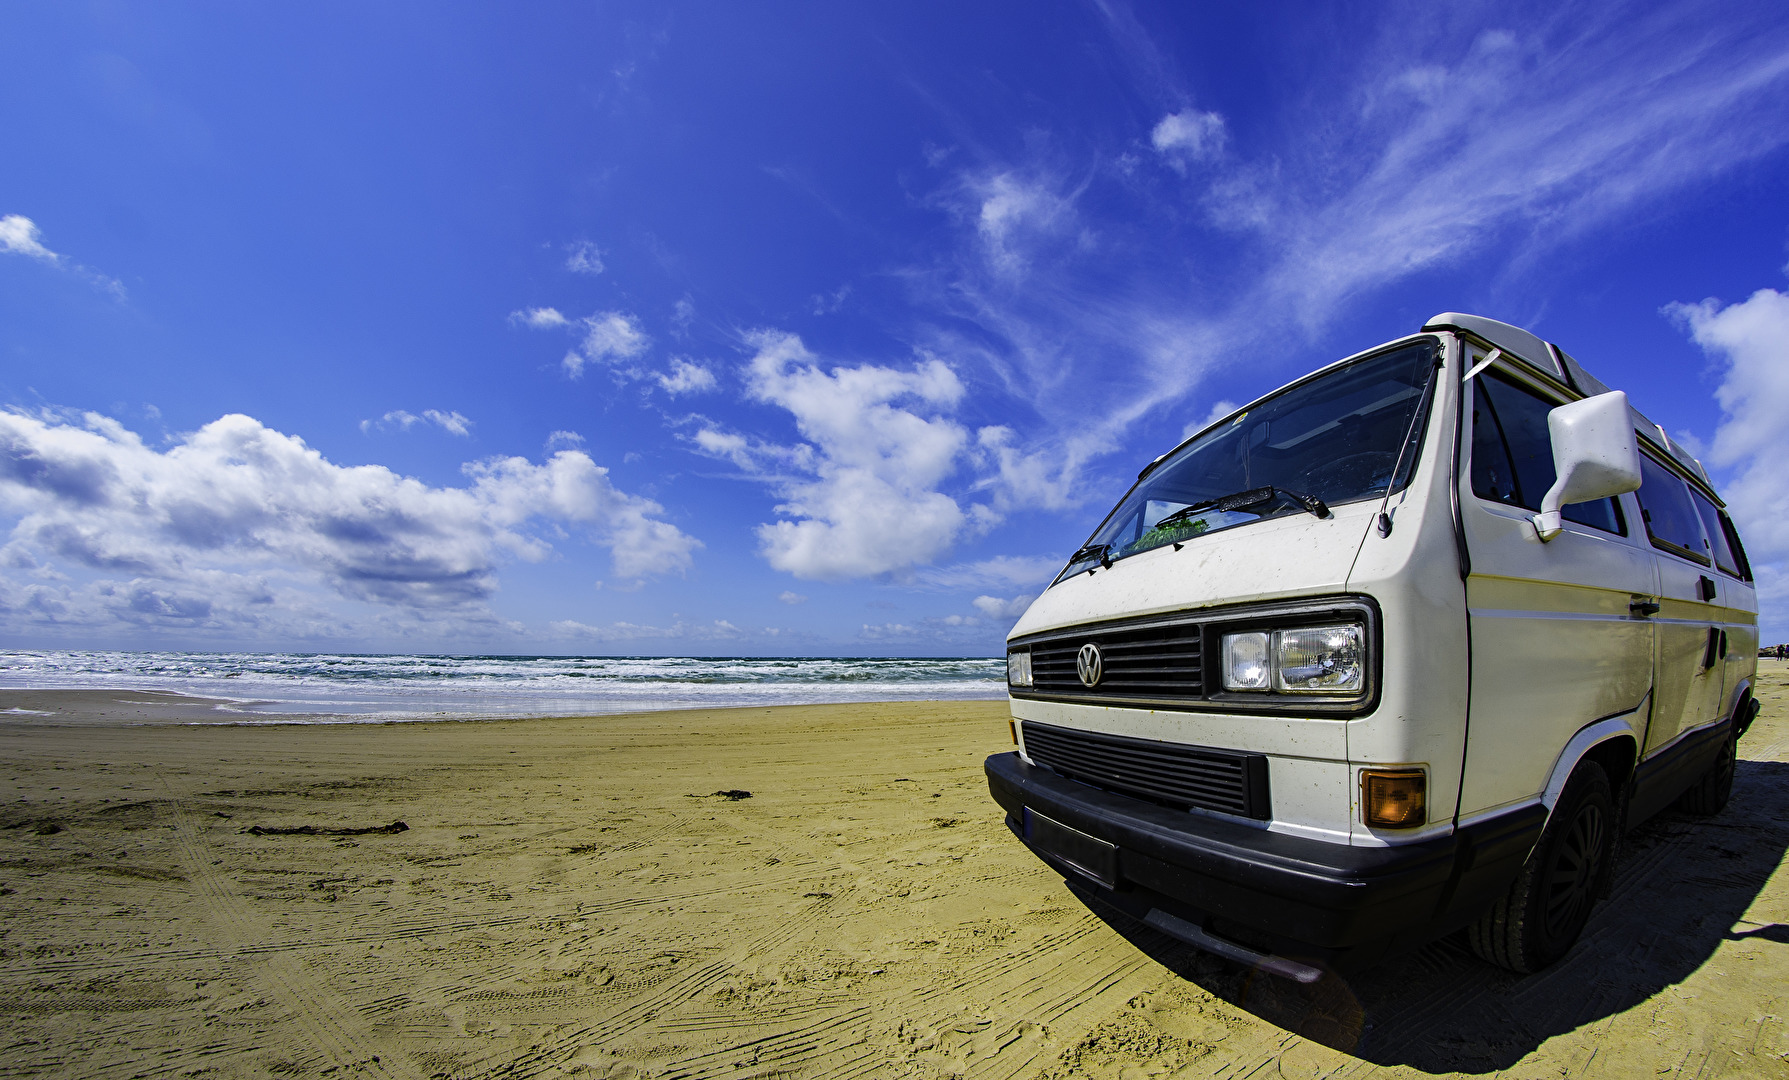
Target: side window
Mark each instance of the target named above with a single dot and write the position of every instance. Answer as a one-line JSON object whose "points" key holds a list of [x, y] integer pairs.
{"points": [[1717, 537], [1671, 518], [1512, 453], [1738, 549]]}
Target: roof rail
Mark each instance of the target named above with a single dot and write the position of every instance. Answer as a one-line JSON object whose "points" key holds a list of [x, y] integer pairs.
{"points": [[1557, 364], [1513, 340]]}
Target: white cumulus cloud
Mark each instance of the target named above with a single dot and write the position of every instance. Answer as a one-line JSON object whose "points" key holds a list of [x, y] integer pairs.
{"points": [[609, 336], [19, 235], [864, 496], [235, 516], [686, 377], [540, 318], [1751, 340]]}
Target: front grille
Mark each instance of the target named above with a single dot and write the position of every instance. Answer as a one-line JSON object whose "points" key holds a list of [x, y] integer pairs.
{"points": [[1173, 774], [1142, 662]]}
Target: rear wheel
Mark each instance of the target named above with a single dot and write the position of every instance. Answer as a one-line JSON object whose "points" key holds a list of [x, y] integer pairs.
{"points": [[1709, 794], [1545, 910]]}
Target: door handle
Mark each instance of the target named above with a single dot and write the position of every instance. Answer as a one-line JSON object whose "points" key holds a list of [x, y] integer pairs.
{"points": [[1705, 587], [1710, 652], [1643, 608]]}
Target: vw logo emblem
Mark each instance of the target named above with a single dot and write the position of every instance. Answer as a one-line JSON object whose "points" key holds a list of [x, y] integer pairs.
{"points": [[1087, 664]]}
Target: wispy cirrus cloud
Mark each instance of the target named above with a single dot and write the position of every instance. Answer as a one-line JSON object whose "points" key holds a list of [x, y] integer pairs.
{"points": [[1187, 137], [1001, 571], [454, 423], [584, 257], [19, 235], [1077, 285], [679, 630]]}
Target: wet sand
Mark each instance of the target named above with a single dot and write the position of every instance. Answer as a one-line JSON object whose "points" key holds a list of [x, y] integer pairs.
{"points": [[578, 897], [112, 707]]}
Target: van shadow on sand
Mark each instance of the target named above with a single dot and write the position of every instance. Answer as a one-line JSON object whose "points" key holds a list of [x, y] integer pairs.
{"points": [[1681, 885]]}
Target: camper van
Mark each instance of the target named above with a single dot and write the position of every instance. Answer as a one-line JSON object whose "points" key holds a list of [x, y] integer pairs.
{"points": [[1397, 650]]}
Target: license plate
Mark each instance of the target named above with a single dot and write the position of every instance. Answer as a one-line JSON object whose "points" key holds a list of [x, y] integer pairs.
{"points": [[1089, 855]]}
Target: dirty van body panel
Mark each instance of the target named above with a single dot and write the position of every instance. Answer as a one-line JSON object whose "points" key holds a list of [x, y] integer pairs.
{"points": [[1556, 644], [1413, 573], [1706, 609], [1275, 559], [1689, 693]]}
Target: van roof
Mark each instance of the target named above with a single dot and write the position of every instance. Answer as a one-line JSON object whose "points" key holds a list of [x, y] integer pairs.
{"points": [[1558, 365]]}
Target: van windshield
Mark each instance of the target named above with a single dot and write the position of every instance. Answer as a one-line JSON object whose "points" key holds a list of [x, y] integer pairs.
{"points": [[1334, 439]]}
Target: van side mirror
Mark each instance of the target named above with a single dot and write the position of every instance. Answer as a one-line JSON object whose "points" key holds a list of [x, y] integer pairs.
{"points": [[1595, 456]]}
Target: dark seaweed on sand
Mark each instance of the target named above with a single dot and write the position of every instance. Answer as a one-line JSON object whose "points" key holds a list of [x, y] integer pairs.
{"points": [[312, 830]]}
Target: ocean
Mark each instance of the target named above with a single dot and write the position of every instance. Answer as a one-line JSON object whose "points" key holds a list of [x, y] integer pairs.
{"points": [[346, 687]]}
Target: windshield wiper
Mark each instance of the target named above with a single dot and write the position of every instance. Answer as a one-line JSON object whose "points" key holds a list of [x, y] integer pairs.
{"points": [[1242, 500], [1101, 551]]}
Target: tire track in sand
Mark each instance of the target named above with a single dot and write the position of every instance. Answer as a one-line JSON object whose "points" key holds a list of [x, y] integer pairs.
{"points": [[559, 1046], [398, 931], [327, 1018]]}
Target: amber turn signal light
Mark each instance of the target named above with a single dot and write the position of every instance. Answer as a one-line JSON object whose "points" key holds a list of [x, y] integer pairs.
{"points": [[1393, 799]]}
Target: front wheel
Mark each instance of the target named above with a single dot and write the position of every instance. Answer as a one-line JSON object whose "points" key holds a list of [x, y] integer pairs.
{"points": [[1545, 910]]}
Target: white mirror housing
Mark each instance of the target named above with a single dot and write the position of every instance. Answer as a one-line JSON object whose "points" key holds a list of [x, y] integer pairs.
{"points": [[1595, 456]]}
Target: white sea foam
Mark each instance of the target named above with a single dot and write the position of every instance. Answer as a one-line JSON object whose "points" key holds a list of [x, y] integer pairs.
{"points": [[341, 687]]}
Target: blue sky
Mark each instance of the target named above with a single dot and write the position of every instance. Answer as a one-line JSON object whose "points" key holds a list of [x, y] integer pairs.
{"points": [[778, 328]]}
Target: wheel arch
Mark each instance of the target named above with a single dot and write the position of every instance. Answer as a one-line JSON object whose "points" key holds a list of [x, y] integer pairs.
{"points": [[1609, 742], [1742, 699]]}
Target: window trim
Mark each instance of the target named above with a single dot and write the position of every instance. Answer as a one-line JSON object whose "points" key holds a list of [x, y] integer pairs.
{"points": [[1708, 534], [1733, 544], [1646, 515], [1546, 394]]}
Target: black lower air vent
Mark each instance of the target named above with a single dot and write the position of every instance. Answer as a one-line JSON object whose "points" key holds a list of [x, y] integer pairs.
{"points": [[1172, 774]]}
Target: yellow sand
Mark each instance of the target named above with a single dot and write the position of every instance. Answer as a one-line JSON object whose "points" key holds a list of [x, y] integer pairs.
{"points": [[570, 899]]}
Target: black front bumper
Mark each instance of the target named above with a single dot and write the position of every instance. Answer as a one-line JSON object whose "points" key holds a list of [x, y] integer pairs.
{"points": [[1284, 892]]}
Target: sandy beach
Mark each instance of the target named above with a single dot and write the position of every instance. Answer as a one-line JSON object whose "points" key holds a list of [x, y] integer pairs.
{"points": [[600, 897]]}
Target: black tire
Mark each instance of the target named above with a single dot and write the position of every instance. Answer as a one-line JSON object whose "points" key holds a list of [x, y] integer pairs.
{"points": [[1709, 794], [1545, 910]]}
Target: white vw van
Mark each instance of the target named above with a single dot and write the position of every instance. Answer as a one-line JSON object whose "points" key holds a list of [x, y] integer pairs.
{"points": [[1398, 649]]}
